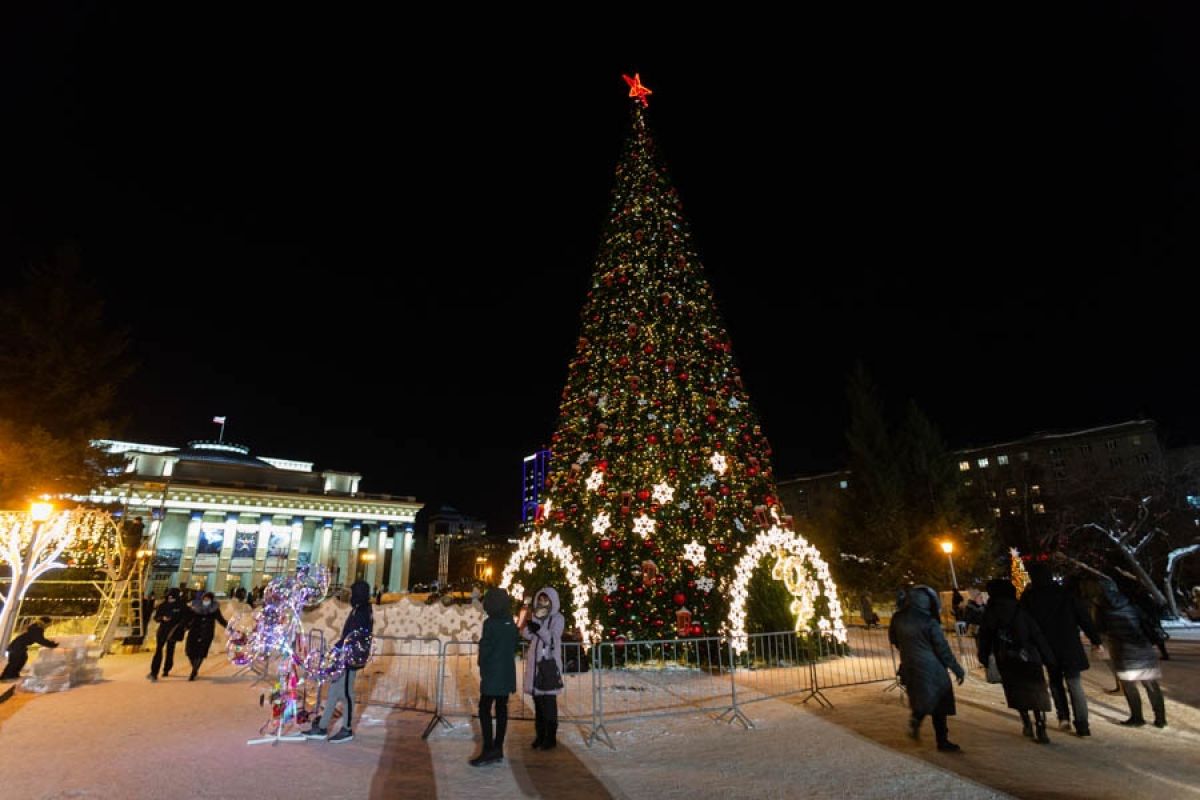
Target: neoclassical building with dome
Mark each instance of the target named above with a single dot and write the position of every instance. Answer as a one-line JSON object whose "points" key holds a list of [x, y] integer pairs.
{"points": [[218, 517]]}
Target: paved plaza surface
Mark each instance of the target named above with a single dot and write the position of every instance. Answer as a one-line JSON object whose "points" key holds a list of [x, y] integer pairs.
{"points": [[130, 739]]}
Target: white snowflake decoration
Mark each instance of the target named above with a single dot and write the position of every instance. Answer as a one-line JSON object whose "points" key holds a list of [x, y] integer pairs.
{"points": [[643, 401], [601, 523], [603, 401], [607, 440], [719, 464], [610, 584], [708, 480], [584, 457], [651, 416], [643, 526], [685, 505], [530, 565], [663, 493], [705, 584], [735, 403], [595, 480], [737, 523], [693, 551]]}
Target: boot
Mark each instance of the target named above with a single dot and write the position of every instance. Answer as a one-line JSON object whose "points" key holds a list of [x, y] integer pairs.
{"points": [[914, 729], [538, 726], [1157, 703], [1041, 737], [1026, 725], [550, 742], [1133, 722], [1082, 730]]}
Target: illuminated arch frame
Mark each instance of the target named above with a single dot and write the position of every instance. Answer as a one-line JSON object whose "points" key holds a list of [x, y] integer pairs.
{"points": [[781, 542], [544, 542]]}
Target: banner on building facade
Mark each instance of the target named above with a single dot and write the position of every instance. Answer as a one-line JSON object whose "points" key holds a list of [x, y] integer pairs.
{"points": [[278, 547], [208, 548], [244, 547]]}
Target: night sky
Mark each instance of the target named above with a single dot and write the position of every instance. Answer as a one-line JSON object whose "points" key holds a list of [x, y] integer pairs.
{"points": [[366, 240]]}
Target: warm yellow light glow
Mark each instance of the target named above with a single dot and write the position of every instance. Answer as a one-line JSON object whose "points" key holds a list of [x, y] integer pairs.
{"points": [[947, 547], [41, 511], [368, 557]]}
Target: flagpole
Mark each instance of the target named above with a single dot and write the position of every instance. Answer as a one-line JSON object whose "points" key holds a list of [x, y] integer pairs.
{"points": [[221, 437]]}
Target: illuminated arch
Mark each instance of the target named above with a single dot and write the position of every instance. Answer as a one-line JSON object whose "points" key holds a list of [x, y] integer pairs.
{"points": [[795, 559], [552, 544]]}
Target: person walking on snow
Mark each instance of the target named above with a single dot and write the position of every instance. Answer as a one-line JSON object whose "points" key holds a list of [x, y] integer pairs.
{"points": [[1012, 635], [1131, 643], [497, 674], [356, 641], [1061, 615], [202, 618], [170, 616], [543, 630], [925, 656]]}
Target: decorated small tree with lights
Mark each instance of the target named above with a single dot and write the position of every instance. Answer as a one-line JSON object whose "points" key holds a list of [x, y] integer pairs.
{"points": [[1019, 575], [661, 500]]}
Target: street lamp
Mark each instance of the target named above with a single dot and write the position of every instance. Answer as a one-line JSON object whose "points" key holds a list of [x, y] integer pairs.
{"points": [[948, 549], [40, 511]]}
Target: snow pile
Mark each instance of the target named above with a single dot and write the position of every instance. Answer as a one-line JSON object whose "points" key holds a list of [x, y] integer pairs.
{"points": [[58, 669]]}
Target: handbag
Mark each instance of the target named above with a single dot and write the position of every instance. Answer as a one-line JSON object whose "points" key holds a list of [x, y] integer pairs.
{"points": [[546, 675], [993, 670]]}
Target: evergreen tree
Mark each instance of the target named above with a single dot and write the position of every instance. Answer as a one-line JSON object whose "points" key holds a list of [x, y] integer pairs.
{"points": [[661, 473]]}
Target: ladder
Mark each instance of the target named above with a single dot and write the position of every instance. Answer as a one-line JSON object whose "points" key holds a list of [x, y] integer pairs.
{"points": [[108, 616]]}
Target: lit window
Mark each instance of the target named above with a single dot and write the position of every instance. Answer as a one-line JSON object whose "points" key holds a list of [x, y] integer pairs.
{"points": [[1011, 491], [843, 484], [995, 512], [1012, 512], [1001, 460], [1035, 490], [1039, 508], [1024, 455], [963, 466], [983, 462]]}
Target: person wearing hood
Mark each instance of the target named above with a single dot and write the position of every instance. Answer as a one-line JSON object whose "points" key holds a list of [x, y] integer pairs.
{"points": [[1013, 636], [202, 618], [497, 673], [543, 629], [1130, 638], [356, 641], [1061, 615], [925, 656], [170, 616]]}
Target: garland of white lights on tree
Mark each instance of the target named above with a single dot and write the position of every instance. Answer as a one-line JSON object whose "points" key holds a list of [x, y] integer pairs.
{"points": [[544, 542], [805, 574]]}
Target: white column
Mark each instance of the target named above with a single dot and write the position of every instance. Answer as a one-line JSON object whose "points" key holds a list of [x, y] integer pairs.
{"points": [[266, 523], [190, 541], [399, 561], [294, 550]]}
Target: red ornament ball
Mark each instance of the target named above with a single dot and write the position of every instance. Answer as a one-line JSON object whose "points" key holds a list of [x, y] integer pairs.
{"points": [[696, 629], [606, 544], [680, 598]]}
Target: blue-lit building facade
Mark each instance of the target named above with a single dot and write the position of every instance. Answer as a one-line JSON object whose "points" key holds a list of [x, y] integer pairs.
{"points": [[533, 482], [218, 518]]}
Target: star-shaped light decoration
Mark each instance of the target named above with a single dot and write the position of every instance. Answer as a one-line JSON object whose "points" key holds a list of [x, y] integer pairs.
{"points": [[610, 584], [636, 89], [584, 457], [693, 551], [704, 584], [685, 505], [643, 401], [643, 526], [663, 493], [708, 480], [594, 480], [719, 464], [601, 523], [735, 403]]}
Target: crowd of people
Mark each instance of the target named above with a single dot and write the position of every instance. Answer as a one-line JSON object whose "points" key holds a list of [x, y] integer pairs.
{"points": [[1033, 647]]}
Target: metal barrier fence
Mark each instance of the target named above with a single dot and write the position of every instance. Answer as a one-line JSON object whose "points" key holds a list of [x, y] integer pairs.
{"points": [[641, 679]]}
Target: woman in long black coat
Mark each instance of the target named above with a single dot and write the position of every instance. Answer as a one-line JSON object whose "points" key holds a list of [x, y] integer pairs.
{"points": [[202, 620], [1012, 635], [1130, 637], [924, 658]]}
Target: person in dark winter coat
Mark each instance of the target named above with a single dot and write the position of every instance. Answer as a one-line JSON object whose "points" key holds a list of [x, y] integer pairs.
{"points": [[1130, 638], [870, 618], [924, 658], [356, 641], [497, 673], [201, 620], [1061, 615], [1012, 635], [171, 617], [18, 648], [543, 629]]}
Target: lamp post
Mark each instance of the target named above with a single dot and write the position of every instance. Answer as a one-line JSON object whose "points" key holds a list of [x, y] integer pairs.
{"points": [[948, 549]]}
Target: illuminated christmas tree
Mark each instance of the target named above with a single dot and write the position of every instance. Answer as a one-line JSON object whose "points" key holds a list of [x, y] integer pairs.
{"points": [[661, 498]]}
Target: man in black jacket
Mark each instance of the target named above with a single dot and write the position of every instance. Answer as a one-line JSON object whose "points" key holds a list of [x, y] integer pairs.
{"points": [[1061, 615], [170, 618], [356, 644], [18, 648]]}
